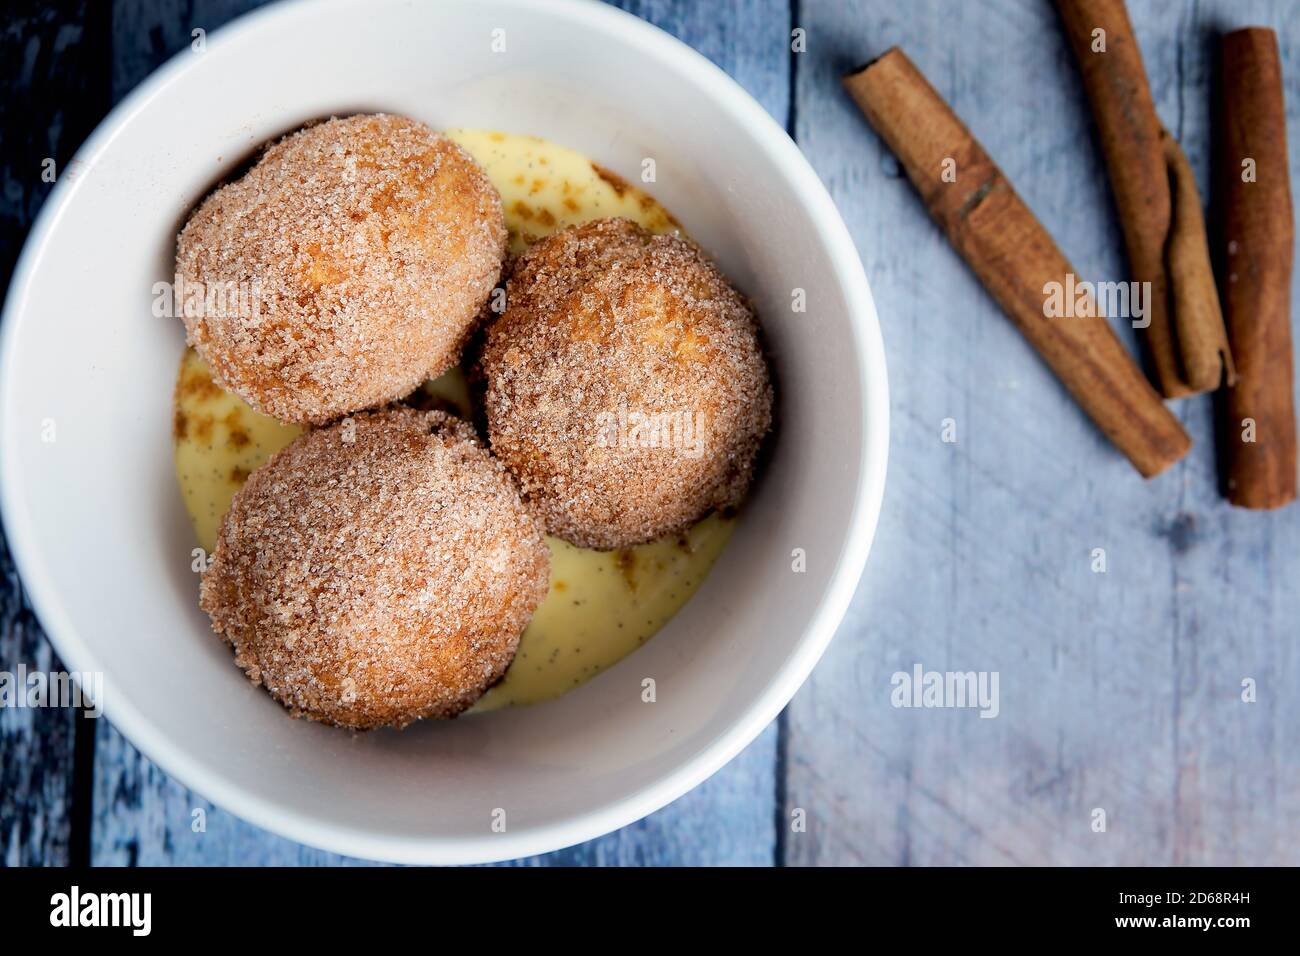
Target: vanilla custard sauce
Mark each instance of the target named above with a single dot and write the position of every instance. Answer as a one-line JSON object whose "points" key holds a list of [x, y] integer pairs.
{"points": [[602, 605], [545, 187]]}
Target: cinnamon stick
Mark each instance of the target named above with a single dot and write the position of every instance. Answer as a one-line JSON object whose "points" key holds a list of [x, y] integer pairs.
{"points": [[1015, 259], [1159, 206], [1258, 442]]}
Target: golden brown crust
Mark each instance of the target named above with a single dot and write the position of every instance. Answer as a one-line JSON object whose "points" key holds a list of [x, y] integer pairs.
{"points": [[372, 241], [377, 571], [626, 389]]}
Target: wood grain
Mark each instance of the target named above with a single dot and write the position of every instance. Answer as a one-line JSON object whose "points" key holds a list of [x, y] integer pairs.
{"points": [[52, 62], [1119, 690]]}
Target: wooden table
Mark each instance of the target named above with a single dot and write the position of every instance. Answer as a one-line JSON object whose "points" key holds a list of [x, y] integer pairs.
{"points": [[1119, 690]]}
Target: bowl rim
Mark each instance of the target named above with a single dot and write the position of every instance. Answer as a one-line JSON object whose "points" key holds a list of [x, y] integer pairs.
{"points": [[293, 822]]}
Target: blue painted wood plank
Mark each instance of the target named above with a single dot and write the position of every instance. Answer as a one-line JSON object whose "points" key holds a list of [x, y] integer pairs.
{"points": [[1119, 691], [53, 62], [1235, 782], [143, 817]]}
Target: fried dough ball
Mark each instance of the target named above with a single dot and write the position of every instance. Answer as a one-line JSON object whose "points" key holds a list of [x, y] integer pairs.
{"points": [[625, 387], [365, 246], [377, 571]]}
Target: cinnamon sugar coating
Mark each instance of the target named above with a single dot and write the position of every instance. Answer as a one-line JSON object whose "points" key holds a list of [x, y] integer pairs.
{"points": [[626, 389], [377, 571], [370, 244]]}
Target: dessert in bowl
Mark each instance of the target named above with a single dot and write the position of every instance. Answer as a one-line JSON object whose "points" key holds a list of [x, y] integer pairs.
{"points": [[650, 725]]}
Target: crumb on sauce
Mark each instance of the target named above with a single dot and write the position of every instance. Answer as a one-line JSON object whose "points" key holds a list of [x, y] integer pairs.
{"points": [[616, 182], [625, 561]]}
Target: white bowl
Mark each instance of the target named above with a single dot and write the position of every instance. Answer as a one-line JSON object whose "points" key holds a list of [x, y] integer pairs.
{"points": [[96, 523]]}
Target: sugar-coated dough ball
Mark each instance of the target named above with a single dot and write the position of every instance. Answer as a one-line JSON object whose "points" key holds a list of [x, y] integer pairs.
{"points": [[377, 571], [626, 389], [344, 268]]}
